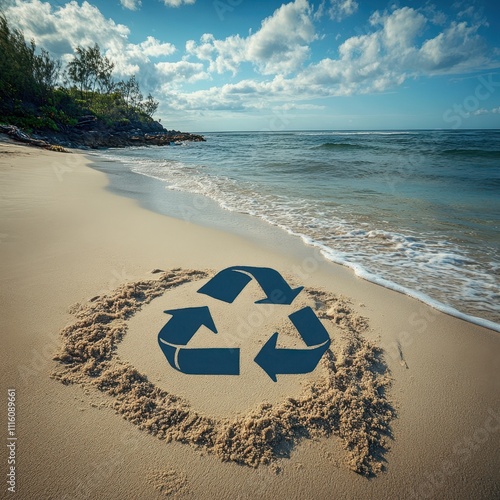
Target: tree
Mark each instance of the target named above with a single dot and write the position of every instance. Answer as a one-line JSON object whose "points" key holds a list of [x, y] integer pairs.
{"points": [[149, 106], [131, 93], [91, 71], [46, 71], [24, 76], [16, 62], [36, 94]]}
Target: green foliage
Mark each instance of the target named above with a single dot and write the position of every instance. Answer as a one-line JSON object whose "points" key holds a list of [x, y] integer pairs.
{"points": [[24, 75], [91, 71], [62, 100], [149, 106], [134, 100], [130, 92], [32, 97], [46, 72], [123, 122], [31, 123], [57, 115]]}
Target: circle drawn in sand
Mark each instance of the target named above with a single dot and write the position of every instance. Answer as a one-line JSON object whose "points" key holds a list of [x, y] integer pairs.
{"points": [[348, 401]]}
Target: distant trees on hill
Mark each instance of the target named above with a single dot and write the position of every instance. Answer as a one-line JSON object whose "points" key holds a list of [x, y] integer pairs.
{"points": [[36, 93]]}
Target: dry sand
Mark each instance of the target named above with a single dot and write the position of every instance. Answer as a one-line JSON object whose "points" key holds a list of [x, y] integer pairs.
{"points": [[405, 404], [348, 399]]}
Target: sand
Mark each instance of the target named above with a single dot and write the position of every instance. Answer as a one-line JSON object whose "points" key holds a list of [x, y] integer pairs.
{"points": [[405, 404], [348, 399]]}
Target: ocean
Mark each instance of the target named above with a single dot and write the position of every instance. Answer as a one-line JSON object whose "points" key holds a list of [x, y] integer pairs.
{"points": [[415, 211]]}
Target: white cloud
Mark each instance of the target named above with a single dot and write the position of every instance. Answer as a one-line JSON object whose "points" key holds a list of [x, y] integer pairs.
{"points": [[387, 57], [340, 9], [434, 15], [394, 52], [181, 70], [483, 111], [395, 47], [399, 28], [301, 107], [136, 4], [131, 4], [472, 12], [154, 48], [177, 3], [280, 46], [61, 29], [458, 47], [68, 26], [222, 55], [245, 94]]}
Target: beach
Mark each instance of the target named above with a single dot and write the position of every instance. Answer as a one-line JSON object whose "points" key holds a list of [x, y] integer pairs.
{"points": [[72, 251]]}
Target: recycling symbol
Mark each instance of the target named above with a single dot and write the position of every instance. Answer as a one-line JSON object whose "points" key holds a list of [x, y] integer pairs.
{"points": [[225, 286]]}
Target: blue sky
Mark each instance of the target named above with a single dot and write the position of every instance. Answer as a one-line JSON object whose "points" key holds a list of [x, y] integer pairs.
{"points": [[273, 65]]}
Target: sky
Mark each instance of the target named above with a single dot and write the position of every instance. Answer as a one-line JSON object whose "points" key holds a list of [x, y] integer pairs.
{"points": [[221, 65]]}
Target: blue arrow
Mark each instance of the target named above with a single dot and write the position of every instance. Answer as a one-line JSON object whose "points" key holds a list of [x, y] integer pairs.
{"points": [[277, 290], [184, 323], [228, 283], [274, 360], [216, 361], [309, 326], [180, 329], [170, 352]]}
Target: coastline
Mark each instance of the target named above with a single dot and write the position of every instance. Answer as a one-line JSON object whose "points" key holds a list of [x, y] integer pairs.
{"points": [[208, 212], [66, 239]]}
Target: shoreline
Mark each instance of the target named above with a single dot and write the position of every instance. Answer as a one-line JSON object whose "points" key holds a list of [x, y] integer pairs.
{"points": [[250, 223], [66, 239]]}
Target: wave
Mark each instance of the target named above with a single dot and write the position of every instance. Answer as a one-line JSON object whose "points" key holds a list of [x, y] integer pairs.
{"points": [[476, 153], [379, 256], [339, 145], [416, 264], [359, 132]]}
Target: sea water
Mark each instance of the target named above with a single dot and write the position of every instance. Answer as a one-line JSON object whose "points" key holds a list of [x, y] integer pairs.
{"points": [[416, 211]]}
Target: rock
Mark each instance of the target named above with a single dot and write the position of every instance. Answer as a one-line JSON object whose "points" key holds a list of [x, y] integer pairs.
{"points": [[20, 136], [86, 121], [92, 133]]}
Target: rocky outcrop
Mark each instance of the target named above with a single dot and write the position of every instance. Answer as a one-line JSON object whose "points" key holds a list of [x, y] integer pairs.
{"points": [[91, 133], [96, 139], [18, 135]]}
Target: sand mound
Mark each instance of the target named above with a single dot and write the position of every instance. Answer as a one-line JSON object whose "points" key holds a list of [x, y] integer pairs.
{"points": [[349, 399]]}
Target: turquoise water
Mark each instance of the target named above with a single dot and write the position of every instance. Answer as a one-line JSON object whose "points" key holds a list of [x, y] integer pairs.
{"points": [[417, 211]]}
